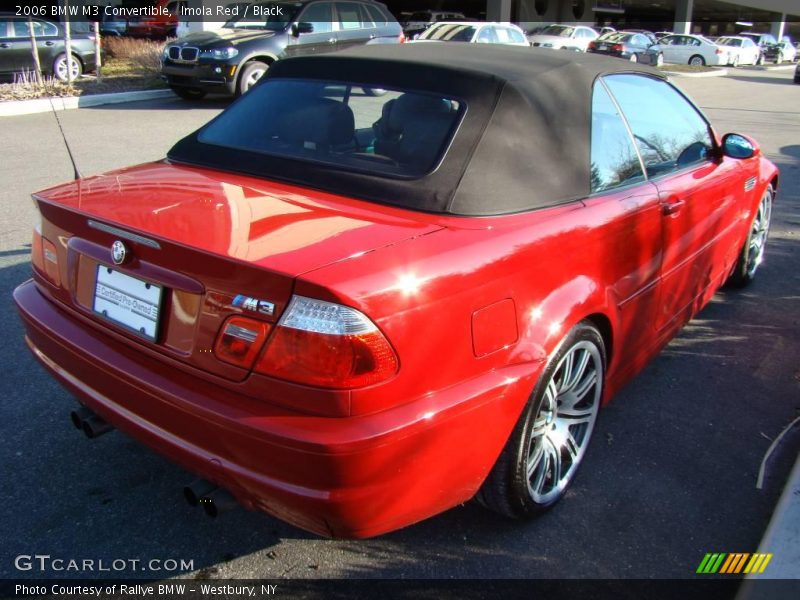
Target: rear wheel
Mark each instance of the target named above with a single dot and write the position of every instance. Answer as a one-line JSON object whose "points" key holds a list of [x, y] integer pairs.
{"points": [[697, 61], [189, 93], [735, 62], [251, 73], [60, 67], [550, 439], [752, 254]]}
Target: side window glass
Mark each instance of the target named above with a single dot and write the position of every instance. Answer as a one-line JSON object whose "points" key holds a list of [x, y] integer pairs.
{"points": [[366, 19], [320, 16], [669, 131], [614, 161], [515, 36], [375, 14], [348, 15], [487, 36]]}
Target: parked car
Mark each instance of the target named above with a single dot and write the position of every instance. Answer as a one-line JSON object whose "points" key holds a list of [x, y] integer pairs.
{"points": [[782, 51], [230, 61], [635, 47], [419, 21], [112, 25], [162, 25], [16, 55], [693, 50], [741, 50], [564, 37], [475, 32], [355, 313]]}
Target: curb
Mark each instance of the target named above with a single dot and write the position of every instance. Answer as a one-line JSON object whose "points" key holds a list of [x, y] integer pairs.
{"points": [[13, 108], [714, 73]]}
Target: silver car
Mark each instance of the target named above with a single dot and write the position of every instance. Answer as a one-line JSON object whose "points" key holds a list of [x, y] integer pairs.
{"points": [[692, 50], [564, 37]]}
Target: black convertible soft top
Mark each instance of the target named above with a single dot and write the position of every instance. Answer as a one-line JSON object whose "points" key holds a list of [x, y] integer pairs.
{"points": [[522, 144]]}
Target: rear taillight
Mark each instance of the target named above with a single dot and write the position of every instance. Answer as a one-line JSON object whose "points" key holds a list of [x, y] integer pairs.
{"points": [[402, 39], [36, 244], [240, 341], [592, 45], [327, 345], [617, 48], [718, 51]]}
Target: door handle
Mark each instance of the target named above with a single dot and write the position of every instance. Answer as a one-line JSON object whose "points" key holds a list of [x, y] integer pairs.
{"points": [[49, 43], [672, 206], [332, 40]]}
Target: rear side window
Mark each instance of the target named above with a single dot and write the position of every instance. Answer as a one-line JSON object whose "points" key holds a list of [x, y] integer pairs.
{"points": [[349, 15], [401, 133], [375, 14], [614, 159], [670, 132]]}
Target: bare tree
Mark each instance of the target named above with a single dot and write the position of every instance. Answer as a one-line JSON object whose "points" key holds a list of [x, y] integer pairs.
{"points": [[97, 52], [68, 43], [35, 51]]}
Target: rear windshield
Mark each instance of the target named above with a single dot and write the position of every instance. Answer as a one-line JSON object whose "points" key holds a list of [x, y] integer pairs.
{"points": [[391, 132]]}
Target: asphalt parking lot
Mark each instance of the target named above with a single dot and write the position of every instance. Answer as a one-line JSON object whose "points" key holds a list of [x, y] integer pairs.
{"points": [[671, 473]]}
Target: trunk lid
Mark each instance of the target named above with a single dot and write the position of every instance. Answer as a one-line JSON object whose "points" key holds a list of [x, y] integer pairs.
{"points": [[215, 244]]}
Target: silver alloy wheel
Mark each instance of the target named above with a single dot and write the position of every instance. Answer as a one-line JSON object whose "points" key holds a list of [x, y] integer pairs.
{"points": [[758, 233], [634, 58], [563, 426], [252, 78], [61, 68], [697, 61]]}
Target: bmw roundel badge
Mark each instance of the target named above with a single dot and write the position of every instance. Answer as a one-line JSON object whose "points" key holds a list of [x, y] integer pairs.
{"points": [[118, 252]]}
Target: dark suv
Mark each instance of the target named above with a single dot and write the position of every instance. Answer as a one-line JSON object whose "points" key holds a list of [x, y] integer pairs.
{"points": [[231, 60]]}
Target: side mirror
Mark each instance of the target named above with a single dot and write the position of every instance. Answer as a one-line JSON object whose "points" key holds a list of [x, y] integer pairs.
{"points": [[298, 28], [738, 146]]}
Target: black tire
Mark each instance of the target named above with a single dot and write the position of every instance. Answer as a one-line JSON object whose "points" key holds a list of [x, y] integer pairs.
{"points": [[188, 93], [508, 489], [752, 253], [59, 67], [251, 73], [697, 61], [374, 92], [760, 60]]}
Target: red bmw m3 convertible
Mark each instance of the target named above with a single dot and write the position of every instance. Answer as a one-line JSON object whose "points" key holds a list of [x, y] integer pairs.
{"points": [[355, 312]]}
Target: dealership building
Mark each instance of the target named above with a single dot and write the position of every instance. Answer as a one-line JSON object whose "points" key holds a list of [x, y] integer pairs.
{"points": [[709, 17]]}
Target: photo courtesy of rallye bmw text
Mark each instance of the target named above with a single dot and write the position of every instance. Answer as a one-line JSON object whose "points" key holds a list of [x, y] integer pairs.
{"points": [[360, 298]]}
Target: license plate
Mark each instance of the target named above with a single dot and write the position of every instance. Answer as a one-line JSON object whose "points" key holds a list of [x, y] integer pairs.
{"points": [[603, 47], [127, 301]]}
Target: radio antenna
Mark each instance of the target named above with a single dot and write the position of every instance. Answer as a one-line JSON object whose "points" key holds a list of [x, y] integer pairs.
{"points": [[64, 137]]}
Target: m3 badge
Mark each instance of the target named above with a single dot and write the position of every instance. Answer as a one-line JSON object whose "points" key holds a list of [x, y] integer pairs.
{"points": [[251, 304]]}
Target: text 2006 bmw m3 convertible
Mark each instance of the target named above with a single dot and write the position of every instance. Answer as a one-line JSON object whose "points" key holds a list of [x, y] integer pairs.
{"points": [[354, 312]]}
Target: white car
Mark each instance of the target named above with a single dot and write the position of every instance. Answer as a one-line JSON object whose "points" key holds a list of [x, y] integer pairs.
{"points": [[476, 32], [692, 50], [564, 37], [741, 50]]}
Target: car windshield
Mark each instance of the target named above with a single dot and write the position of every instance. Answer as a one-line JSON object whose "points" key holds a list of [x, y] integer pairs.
{"points": [[272, 16], [398, 133], [449, 33], [729, 42], [559, 30]]}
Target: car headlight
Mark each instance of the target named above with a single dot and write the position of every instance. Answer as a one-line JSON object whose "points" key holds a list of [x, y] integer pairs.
{"points": [[220, 53]]}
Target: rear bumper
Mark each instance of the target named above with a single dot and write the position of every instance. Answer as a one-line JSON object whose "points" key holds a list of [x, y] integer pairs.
{"points": [[343, 477]]}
